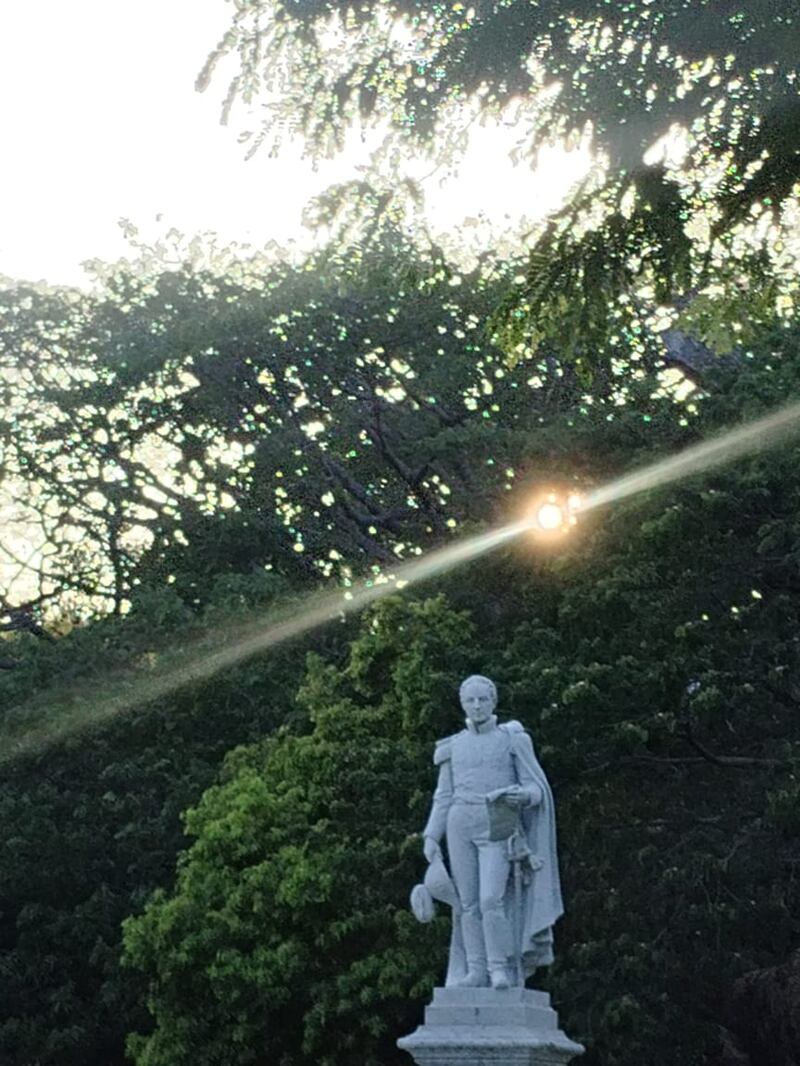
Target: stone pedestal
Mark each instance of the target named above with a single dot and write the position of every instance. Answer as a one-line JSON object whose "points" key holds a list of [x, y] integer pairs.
{"points": [[489, 1027]]}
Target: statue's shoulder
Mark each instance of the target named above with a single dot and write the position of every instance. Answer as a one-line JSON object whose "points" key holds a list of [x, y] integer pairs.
{"points": [[518, 735], [444, 748], [512, 727]]}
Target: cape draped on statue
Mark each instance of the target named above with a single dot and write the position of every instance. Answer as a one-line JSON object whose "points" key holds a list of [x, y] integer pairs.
{"points": [[541, 897], [542, 904]]}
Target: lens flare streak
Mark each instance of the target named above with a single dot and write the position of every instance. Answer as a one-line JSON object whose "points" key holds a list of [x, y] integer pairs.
{"points": [[125, 693], [756, 436]]}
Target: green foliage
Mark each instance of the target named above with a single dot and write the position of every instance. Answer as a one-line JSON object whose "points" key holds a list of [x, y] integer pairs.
{"points": [[638, 240], [628, 69], [90, 823], [578, 293], [321, 418], [287, 933], [289, 928]]}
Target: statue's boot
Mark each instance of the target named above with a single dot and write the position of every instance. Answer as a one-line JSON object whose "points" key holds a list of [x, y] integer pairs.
{"points": [[499, 943], [472, 935], [498, 977]]}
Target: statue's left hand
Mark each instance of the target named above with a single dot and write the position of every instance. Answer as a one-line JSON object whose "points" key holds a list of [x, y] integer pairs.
{"points": [[515, 796]]}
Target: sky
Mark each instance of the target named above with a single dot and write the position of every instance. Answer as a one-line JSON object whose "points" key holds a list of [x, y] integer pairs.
{"points": [[101, 121]]}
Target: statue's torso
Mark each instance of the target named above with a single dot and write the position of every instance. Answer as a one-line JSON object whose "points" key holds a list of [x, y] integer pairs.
{"points": [[480, 763]]}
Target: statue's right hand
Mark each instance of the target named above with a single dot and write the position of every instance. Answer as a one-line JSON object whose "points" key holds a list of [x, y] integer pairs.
{"points": [[431, 849]]}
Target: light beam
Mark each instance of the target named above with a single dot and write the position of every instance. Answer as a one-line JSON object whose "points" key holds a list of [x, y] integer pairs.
{"points": [[755, 436], [206, 658]]}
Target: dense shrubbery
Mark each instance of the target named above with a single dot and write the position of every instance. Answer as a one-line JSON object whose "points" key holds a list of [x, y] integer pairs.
{"points": [[677, 812], [288, 930], [204, 446], [90, 825]]}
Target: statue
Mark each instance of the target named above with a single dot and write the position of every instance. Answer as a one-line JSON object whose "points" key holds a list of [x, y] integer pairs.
{"points": [[494, 807]]}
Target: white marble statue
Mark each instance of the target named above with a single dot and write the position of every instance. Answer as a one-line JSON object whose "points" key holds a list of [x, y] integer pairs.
{"points": [[494, 808]]}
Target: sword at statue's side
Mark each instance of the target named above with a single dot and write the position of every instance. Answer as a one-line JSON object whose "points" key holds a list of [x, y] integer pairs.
{"points": [[516, 861], [505, 823]]}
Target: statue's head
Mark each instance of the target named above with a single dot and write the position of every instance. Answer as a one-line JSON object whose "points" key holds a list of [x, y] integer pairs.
{"points": [[478, 697]]}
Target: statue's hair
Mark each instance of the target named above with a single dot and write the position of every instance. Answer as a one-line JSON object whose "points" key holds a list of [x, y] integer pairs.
{"points": [[484, 681]]}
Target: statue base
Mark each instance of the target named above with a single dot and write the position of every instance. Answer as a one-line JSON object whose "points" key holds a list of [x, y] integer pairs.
{"points": [[489, 1027]]}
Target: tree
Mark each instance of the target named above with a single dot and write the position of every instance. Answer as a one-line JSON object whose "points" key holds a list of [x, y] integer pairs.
{"points": [[90, 821], [311, 419], [629, 70], [289, 924], [87, 468], [645, 245], [677, 812], [676, 802]]}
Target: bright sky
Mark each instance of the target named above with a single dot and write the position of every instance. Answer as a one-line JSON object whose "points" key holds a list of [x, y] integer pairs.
{"points": [[101, 121]]}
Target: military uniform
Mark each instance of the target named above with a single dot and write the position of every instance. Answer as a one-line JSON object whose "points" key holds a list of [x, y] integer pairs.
{"points": [[477, 761]]}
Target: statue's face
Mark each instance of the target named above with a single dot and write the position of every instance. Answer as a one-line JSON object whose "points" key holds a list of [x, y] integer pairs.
{"points": [[478, 702]]}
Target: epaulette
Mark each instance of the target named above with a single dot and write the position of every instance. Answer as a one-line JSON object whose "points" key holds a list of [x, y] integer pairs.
{"points": [[441, 753], [512, 727]]}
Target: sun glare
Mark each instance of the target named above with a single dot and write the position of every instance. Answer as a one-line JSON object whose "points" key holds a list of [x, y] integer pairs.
{"points": [[553, 513], [549, 516], [322, 607]]}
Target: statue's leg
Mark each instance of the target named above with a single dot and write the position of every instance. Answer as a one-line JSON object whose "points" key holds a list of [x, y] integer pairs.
{"points": [[457, 961], [494, 868], [464, 870]]}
